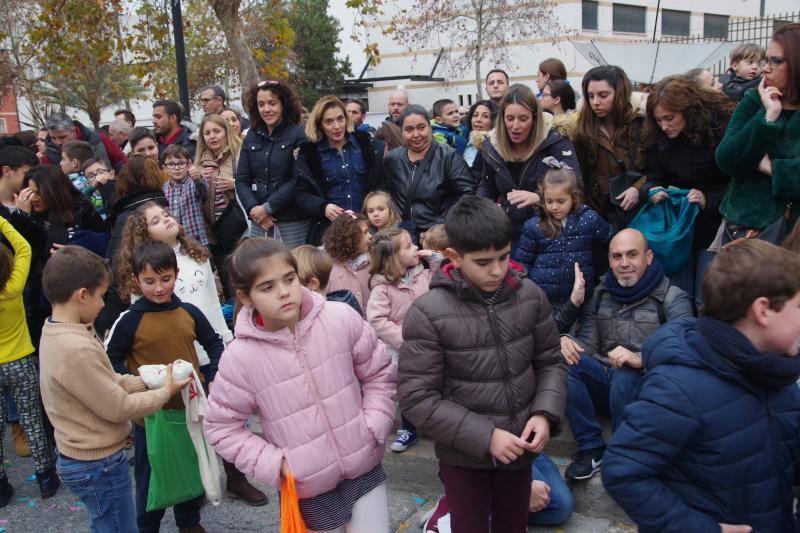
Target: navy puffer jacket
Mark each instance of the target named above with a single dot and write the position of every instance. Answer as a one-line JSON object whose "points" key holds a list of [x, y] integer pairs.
{"points": [[550, 262], [702, 444]]}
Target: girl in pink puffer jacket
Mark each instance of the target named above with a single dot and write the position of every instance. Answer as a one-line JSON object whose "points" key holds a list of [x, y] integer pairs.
{"points": [[323, 384], [397, 279]]}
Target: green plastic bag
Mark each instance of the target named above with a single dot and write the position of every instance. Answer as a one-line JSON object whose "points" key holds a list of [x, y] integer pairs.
{"points": [[174, 471]]}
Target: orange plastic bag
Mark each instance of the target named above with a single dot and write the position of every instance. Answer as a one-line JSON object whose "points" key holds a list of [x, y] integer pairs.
{"points": [[291, 519]]}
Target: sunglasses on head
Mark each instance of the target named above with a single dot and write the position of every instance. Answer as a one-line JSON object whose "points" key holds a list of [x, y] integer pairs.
{"points": [[267, 83]]}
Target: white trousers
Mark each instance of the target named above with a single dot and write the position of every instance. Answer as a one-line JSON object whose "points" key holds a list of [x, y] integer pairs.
{"points": [[370, 514]]}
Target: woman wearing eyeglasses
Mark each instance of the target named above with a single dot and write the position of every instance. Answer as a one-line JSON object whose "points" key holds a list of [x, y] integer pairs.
{"points": [[265, 182], [760, 149]]}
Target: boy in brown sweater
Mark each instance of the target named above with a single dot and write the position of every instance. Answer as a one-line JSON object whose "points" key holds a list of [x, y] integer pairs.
{"points": [[89, 404]]}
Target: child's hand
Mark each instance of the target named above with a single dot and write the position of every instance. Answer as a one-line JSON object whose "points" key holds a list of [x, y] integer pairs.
{"points": [[539, 427], [285, 468], [578, 288], [505, 446], [174, 386], [194, 172], [425, 254]]}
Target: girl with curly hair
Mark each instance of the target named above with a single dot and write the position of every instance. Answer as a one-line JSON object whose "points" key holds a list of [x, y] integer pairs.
{"points": [[347, 242], [195, 283], [685, 122]]}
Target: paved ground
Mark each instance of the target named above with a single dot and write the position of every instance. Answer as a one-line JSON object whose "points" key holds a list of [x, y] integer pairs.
{"points": [[413, 487]]}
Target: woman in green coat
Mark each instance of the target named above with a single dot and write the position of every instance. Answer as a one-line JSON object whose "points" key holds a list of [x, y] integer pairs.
{"points": [[761, 148]]}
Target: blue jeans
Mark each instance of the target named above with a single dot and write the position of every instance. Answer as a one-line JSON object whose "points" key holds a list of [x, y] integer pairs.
{"points": [[593, 386], [104, 487], [560, 507], [690, 277], [187, 514]]}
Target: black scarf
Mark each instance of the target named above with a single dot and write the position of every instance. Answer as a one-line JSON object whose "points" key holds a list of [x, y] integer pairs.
{"points": [[770, 370], [643, 288]]}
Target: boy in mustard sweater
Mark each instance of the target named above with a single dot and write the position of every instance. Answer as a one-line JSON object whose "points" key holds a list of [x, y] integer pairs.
{"points": [[17, 366], [89, 404]]}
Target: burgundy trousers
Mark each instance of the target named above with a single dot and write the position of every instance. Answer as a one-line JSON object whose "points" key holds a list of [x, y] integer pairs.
{"points": [[487, 500]]}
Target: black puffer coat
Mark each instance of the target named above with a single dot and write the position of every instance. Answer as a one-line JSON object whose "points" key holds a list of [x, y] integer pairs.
{"points": [[265, 171], [468, 366]]}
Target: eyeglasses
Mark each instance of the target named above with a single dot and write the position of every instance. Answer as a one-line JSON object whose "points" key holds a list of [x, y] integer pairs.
{"points": [[98, 172], [176, 164], [267, 83], [775, 62], [546, 94]]}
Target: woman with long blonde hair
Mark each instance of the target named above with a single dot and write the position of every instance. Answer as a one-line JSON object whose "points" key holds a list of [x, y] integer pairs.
{"points": [[216, 159], [511, 165]]}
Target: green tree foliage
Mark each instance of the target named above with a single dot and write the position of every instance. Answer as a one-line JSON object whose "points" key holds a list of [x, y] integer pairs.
{"points": [[315, 69]]}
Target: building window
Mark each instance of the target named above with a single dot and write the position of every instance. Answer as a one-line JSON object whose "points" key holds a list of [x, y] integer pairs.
{"points": [[675, 22], [3, 126], [589, 14], [629, 19], [715, 26]]}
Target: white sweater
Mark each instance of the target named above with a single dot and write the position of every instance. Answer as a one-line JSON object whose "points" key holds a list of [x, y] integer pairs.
{"points": [[195, 285]]}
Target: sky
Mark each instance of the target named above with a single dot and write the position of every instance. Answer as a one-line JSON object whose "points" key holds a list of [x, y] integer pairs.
{"points": [[348, 47]]}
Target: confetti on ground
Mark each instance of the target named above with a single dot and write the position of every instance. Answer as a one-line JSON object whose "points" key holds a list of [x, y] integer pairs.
{"points": [[32, 503], [52, 506], [78, 504], [32, 478], [7, 462], [419, 501], [74, 509], [23, 499], [2, 530], [3, 522]]}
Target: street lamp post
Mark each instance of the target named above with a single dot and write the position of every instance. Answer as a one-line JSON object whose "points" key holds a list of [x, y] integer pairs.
{"points": [[180, 58]]}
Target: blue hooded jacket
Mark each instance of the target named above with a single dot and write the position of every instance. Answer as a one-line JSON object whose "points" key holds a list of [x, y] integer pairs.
{"points": [[703, 444], [550, 262]]}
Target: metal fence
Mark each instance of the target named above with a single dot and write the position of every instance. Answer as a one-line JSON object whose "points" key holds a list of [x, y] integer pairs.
{"points": [[757, 30]]}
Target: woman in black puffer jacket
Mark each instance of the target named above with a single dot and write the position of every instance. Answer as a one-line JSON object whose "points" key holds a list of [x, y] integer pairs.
{"points": [[265, 181]]}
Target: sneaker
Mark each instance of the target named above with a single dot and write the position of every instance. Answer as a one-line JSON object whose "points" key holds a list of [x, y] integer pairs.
{"points": [[6, 491], [585, 464], [405, 439], [432, 517]]}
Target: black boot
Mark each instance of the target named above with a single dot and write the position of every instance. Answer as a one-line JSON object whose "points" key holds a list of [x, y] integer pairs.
{"points": [[238, 487], [48, 483], [6, 491]]}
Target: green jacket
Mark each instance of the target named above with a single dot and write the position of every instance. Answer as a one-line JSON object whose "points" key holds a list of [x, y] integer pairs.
{"points": [[755, 200]]}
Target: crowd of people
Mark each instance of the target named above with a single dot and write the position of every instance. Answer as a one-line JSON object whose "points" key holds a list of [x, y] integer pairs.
{"points": [[545, 257]]}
